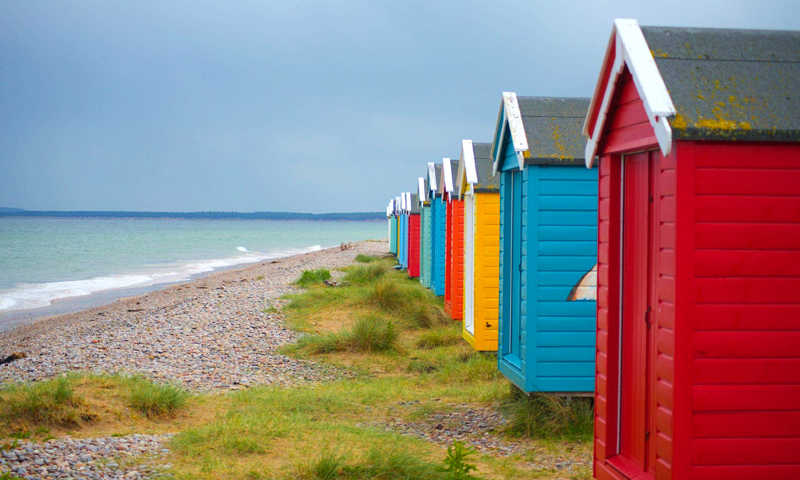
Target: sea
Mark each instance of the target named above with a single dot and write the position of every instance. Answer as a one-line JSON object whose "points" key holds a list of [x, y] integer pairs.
{"points": [[54, 265]]}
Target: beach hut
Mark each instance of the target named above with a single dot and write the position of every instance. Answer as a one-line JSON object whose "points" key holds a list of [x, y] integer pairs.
{"points": [[698, 356], [548, 241], [438, 228], [389, 209], [426, 240], [406, 218], [454, 279], [401, 229], [393, 227], [414, 236], [480, 191]]}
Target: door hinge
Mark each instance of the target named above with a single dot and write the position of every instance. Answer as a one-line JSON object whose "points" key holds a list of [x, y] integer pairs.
{"points": [[647, 435], [519, 266], [647, 316]]}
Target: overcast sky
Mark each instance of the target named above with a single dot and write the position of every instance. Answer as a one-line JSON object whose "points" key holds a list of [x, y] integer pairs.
{"points": [[284, 105]]}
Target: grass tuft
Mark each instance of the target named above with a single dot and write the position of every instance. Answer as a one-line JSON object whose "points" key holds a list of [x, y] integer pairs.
{"points": [[392, 465], [48, 402], [155, 399], [441, 337], [542, 415], [361, 258], [365, 274], [313, 277], [369, 334]]}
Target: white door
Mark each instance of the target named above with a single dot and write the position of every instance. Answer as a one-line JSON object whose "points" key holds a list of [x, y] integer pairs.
{"points": [[469, 263]]}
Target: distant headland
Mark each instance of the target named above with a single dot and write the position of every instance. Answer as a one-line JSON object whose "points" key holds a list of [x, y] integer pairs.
{"points": [[357, 216]]}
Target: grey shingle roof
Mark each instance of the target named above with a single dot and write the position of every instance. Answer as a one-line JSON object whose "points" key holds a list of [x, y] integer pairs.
{"points": [[483, 164], [414, 203], [553, 127], [730, 84]]}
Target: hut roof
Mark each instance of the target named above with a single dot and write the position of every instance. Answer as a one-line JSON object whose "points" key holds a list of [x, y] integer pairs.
{"points": [[547, 130], [476, 169], [730, 84]]}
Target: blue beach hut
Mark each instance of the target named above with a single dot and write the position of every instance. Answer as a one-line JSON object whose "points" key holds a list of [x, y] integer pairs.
{"points": [[438, 227], [406, 210], [400, 229], [548, 244], [426, 240], [393, 227]]}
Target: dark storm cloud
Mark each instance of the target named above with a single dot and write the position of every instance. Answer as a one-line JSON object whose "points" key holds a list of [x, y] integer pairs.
{"points": [[319, 106]]}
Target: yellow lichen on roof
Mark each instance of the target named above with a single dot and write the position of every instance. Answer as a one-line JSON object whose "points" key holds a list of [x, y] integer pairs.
{"points": [[560, 147]]}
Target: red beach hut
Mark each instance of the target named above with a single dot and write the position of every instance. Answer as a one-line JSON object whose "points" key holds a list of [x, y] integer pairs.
{"points": [[454, 251], [413, 235], [698, 356]]}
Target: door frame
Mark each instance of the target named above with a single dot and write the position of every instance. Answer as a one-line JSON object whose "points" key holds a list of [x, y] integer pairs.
{"points": [[618, 462]]}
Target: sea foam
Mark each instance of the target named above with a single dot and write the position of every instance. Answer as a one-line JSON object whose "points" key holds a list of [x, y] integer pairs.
{"points": [[36, 295]]}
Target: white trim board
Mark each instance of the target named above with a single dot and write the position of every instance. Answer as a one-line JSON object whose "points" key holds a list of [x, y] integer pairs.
{"points": [[447, 170], [469, 161], [432, 177]]}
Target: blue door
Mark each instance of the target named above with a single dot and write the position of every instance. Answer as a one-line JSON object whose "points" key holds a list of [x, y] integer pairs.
{"points": [[512, 267]]}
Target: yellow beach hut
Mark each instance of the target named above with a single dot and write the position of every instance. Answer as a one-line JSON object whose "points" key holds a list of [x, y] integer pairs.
{"points": [[480, 191]]}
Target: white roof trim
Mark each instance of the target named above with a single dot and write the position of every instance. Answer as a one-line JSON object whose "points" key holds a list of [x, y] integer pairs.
{"points": [[432, 176], [513, 118], [421, 188], [631, 50], [469, 161], [408, 202], [447, 169]]}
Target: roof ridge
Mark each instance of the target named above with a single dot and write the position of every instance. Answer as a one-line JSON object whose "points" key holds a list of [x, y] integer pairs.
{"points": [[744, 60]]}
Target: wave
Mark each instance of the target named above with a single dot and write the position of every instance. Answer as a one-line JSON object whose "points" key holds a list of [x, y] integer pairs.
{"points": [[37, 295]]}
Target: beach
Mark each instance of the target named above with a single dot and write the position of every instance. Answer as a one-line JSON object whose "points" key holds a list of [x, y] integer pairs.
{"points": [[217, 332]]}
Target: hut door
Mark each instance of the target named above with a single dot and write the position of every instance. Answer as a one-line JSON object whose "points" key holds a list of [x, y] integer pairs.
{"points": [[636, 352], [469, 264], [512, 266]]}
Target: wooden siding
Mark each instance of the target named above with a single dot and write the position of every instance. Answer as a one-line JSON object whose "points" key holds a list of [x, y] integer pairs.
{"points": [[426, 246], [455, 274], [413, 245], [448, 257], [438, 245], [487, 274], [741, 257], [393, 235], [560, 247]]}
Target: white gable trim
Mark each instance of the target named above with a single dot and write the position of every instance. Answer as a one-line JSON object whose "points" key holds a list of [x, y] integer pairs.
{"points": [[512, 116], [631, 50], [421, 188], [432, 177], [469, 161], [447, 168]]}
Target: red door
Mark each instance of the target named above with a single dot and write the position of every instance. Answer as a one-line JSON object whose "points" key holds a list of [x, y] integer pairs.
{"points": [[636, 416]]}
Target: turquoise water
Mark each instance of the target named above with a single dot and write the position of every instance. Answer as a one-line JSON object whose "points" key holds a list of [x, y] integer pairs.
{"points": [[46, 259]]}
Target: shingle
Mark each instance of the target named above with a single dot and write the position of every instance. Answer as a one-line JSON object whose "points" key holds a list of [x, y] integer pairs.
{"points": [[730, 84], [553, 128], [483, 164], [414, 203]]}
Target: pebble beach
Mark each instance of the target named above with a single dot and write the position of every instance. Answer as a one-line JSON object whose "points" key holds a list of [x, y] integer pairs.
{"points": [[213, 333]]}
